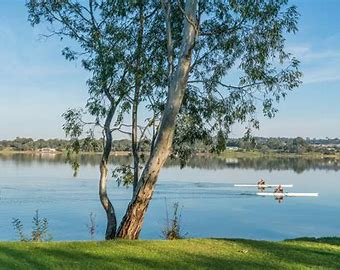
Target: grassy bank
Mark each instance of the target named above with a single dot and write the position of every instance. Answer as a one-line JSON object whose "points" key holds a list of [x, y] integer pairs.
{"points": [[181, 254]]}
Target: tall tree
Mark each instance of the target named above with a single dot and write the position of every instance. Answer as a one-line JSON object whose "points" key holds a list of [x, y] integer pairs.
{"points": [[200, 65]]}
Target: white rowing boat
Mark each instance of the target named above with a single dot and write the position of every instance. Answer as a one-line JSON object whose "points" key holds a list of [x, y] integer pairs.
{"points": [[287, 194], [263, 186]]}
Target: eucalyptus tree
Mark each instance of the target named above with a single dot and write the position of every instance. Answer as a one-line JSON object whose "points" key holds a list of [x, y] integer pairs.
{"points": [[198, 66], [112, 38]]}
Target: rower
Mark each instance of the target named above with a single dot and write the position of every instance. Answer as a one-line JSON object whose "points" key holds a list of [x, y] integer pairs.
{"points": [[261, 182], [279, 189]]}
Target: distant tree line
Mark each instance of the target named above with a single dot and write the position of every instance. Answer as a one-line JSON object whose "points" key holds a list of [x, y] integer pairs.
{"points": [[28, 144], [281, 145], [297, 145], [296, 164], [85, 145]]}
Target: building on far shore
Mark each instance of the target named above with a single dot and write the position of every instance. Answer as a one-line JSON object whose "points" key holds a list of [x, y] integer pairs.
{"points": [[47, 150]]}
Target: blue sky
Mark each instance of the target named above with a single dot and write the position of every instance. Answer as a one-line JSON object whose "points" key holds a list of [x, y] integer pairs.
{"points": [[37, 84]]}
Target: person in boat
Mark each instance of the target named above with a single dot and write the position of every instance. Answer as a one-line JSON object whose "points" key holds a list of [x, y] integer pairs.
{"points": [[279, 189], [261, 184]]}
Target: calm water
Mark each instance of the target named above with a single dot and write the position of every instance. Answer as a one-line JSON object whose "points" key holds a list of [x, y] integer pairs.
{"points": [[212, 207]]}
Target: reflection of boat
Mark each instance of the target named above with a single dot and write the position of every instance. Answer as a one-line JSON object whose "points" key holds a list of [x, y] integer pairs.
{"points": [[287, 194], [263, 186]]}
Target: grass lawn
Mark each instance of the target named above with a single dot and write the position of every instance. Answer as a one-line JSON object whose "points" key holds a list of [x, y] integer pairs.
{"points": [[305, 253]]}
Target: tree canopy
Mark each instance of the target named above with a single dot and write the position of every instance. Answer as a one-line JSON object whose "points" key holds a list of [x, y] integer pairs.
{"points": [[197, 67]]}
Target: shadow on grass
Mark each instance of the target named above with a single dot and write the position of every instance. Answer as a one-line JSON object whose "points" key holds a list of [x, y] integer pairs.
{"points": [[226, 254], [59, 259], [293, 253], [18, 259]]}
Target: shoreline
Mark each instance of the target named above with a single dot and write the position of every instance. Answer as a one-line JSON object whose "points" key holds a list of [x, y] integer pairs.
{"points": [[226, 154]]}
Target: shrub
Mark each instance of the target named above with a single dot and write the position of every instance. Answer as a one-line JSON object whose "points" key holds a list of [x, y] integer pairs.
{"points": [[92, 226], [39, 230], [172, 228]]}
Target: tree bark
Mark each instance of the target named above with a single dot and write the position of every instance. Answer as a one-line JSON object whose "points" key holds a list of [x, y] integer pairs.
{"points": [[111, 227], [138, 81], [131, 224]]}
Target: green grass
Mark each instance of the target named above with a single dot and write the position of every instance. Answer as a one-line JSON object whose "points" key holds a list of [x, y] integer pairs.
{"points": [[179, 254]]}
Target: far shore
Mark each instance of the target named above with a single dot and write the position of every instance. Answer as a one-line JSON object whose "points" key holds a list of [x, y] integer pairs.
{"points": [[225, 154], [31, 152]]}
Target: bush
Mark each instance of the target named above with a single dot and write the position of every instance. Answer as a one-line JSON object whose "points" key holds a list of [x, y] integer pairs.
{"points": [[172, 228], [39, 231], [92, 226]]}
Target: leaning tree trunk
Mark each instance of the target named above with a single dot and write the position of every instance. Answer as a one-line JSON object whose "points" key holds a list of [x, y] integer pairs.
{"points": [[104, 199], [132, 222]]}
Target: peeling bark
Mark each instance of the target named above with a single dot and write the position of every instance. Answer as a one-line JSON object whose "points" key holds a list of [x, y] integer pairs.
{"points": [[104, 199], [138, 81], [132, 222]]}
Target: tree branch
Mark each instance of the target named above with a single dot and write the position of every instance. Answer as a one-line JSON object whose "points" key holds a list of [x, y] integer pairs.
{"points": [[193, 23], [167, 10]]}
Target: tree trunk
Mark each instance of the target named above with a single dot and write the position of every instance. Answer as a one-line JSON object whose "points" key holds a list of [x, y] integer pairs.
{"points": [[131, 224], [138, 81], [104, 199], [134, 143]]}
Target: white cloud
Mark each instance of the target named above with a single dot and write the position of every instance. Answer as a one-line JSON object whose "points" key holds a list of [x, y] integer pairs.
{"points": [[321, 75], [306, 53], [318, 66], [298, 50]]}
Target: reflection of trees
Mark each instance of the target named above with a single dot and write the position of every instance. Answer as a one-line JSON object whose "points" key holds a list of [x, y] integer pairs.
{"points": [[211, 163], [298, 165], [91, 159]]}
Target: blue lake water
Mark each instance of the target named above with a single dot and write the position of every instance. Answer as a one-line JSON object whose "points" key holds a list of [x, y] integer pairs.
{"points": [[211, 205]]}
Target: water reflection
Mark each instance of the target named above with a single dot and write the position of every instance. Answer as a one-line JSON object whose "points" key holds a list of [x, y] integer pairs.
{"points": [[279, 199], [296, 164], [213, 207]]}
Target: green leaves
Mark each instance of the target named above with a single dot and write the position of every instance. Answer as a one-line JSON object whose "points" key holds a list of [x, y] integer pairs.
{"points": [[123, 175], [40, 229], [69, 54], [73, 125], [239, 37], [246, 38]]}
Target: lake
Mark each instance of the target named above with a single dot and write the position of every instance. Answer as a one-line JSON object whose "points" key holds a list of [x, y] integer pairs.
{"points": [[211, 205]]}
